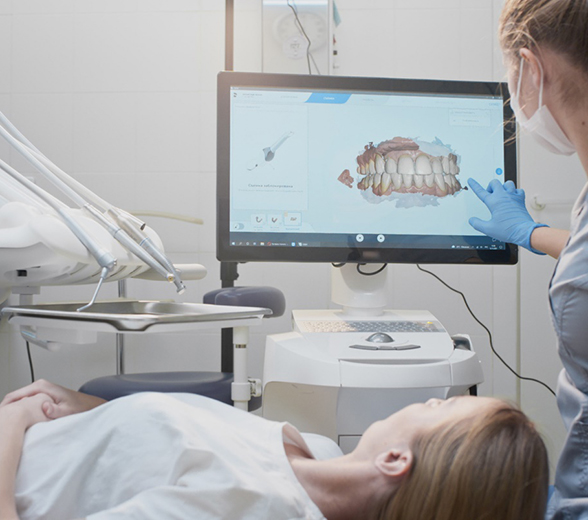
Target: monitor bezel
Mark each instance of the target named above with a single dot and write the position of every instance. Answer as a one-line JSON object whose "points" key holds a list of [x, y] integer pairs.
{"points": [[227, 253]]}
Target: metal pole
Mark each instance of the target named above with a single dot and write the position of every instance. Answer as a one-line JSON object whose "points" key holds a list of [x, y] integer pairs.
{"points": [[228, 270], [240, 388], [228, 276], [120, 338], [229, 33]]}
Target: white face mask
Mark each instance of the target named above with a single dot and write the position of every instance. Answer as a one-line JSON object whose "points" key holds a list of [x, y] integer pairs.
{"points": [[541, 125]]}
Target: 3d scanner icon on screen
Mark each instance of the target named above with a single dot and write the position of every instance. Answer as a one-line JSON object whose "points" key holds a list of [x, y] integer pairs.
{"points": [[268, 154]]}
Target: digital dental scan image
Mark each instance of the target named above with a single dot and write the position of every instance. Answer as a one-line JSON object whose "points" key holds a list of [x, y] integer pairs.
{"points": [[420, 170]]}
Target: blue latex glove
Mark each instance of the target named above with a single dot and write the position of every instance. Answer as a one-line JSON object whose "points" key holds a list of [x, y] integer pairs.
{"points": [[510, 221]]}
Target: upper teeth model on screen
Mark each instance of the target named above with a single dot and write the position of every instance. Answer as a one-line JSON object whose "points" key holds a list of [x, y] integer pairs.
{"points": [[268, 154], [403, 165]]}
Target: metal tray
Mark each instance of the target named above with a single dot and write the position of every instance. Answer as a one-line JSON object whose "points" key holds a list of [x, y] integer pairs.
{"points": [[137, 315]]}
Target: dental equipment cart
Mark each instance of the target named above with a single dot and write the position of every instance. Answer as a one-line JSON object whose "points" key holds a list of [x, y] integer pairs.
{"points": [[57, 323], [335, 374]]}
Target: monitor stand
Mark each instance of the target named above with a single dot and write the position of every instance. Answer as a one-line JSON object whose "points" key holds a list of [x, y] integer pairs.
{"points": [[363, 299], [360, 295]]}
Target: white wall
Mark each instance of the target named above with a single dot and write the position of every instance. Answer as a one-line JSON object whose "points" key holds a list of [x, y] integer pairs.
{"points": [[121, 94]]}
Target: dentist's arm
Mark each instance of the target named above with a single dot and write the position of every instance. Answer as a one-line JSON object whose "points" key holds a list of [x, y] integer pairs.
{"points": [[549, 240], [15, 420], [511, 222]]}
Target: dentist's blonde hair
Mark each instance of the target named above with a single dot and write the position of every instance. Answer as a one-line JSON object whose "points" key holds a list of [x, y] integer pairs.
{"points": [[558, 25], [492, 467]]}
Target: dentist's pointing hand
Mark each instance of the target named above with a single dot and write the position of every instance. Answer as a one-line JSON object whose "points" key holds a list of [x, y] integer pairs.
{"points": [[510, 221]]}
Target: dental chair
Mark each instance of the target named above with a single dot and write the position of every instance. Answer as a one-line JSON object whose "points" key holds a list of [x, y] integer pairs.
{"points": [[216, 385]]}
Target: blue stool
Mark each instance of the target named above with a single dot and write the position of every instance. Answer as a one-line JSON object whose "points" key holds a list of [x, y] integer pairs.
{"points": [[216, 385]]}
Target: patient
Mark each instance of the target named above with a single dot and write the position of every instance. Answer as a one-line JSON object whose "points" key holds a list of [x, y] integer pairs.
{"points": [[181, 456]]}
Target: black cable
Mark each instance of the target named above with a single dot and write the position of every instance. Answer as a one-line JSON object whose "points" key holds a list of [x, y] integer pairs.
{"points": [[338, 266], [370, 274], [313, 61], [30, 362], [298, 23], [301, 29], [486, 329]]}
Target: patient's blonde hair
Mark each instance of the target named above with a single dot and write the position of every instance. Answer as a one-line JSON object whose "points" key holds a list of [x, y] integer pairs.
{"points": [[489, 468]]}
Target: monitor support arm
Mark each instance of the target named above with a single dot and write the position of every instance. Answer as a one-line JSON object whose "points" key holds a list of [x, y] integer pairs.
{"points": [[359, 294]]}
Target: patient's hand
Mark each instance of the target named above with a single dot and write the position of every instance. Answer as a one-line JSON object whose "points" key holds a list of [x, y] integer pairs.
{"points": [[27, 411], [65, 401]]}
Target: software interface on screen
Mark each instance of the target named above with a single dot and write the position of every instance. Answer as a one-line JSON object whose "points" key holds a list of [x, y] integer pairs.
{"points": [[315, 168]]}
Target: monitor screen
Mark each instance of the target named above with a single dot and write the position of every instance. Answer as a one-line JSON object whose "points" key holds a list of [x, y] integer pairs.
{"points": [[336, 169]]}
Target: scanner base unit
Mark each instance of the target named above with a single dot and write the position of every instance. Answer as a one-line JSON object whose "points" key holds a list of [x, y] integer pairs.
{"points": [[335, 374]]}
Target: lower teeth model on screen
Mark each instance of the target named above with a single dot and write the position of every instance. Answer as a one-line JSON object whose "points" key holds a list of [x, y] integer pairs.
{"points": [[403, 166]]}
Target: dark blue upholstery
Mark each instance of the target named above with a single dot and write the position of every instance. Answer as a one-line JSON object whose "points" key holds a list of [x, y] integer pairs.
{"points": [[216, 385], [268, 297], [212, 384]]}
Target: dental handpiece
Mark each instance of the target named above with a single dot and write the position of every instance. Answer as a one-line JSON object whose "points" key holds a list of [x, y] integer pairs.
{"points": [[121, 236], [146, 243]]}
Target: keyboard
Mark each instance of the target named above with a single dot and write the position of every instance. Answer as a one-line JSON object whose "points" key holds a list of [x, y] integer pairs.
{"points": [[334, 326]]}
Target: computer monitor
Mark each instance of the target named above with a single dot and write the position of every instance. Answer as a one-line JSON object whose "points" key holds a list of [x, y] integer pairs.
{"points": [[358, 170]]}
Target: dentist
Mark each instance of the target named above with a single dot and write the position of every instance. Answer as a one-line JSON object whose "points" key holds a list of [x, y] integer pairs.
{"points": [[545, 48]]}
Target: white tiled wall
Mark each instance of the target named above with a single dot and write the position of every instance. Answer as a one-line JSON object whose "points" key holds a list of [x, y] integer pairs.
{"points": [[121, 94]]}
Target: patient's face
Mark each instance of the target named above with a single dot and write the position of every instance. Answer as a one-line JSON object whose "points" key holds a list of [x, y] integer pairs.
{"points": [[416, 418]]}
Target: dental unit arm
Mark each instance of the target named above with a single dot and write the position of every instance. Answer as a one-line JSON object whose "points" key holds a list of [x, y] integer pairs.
{"points": [[126, 222], [103, 257], [128, 231]]}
